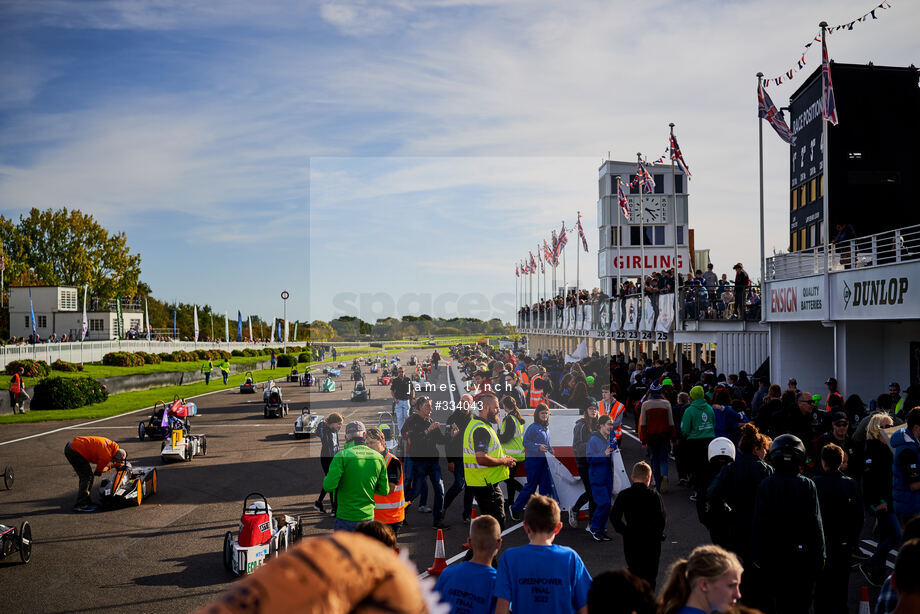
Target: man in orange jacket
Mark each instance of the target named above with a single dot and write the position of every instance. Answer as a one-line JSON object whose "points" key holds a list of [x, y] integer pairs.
{"points": [[80, 452]]}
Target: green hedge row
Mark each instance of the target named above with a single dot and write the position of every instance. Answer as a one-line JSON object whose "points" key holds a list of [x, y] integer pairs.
{"points": [[63, 365], [68, 393], [31, 368]]}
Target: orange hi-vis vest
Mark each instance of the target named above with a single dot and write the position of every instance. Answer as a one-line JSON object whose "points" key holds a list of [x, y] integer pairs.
{"points": [[601, 408], [525, 379], [616, 415], [391, 508], [16, 384], [536, 394]]}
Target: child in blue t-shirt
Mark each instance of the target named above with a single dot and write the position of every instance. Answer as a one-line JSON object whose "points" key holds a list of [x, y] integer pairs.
{"points": [[541, 577], [468, 587]]}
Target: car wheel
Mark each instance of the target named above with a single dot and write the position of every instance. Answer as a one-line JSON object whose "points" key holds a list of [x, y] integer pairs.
{"points": [[298, 535], [153, 482], [9, 478], [141, 431], [204, 445], [228, 551], [265, 412], [140, 491], [188, 452], [283, 542], [25, 541]]}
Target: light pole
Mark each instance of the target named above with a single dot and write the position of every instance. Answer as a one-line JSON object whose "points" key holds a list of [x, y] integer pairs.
{"points": [[284, 297]]}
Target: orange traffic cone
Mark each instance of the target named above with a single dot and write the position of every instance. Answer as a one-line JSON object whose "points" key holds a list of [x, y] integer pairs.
{"points": [[864, 607], [440, 559]]}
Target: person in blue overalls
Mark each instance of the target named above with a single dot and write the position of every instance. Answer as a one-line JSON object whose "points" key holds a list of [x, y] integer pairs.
{"points": [[600, 475], [536, 444]]}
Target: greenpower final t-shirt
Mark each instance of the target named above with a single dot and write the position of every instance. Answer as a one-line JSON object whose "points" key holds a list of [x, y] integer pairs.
{"points": [[468, 588], [543, 579]]}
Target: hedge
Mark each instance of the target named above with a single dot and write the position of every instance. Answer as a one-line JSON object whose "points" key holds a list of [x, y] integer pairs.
{"points": [[303, 357], [63, 365], [150, 359], [31, 368], [68, 393], [287, 360], [123, 359]]}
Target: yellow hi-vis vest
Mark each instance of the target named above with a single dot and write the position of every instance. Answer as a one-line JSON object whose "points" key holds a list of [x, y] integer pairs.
{"points": [[391, 508], [515, 447], [474, 473]]}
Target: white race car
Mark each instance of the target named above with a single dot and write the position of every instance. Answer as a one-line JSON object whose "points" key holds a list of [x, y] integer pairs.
{"points": [[180, 446], [260, 536], [130, 485], [306, 423]]}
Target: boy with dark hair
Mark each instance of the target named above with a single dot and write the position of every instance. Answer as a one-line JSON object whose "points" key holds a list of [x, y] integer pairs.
{"points": [[905, 579], [379, 531], [470, 586], [621, 592], [638, 515], [542, 577]]}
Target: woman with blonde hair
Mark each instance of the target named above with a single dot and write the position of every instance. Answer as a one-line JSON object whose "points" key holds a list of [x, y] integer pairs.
{"points": [[709, 580], [877, 497]]}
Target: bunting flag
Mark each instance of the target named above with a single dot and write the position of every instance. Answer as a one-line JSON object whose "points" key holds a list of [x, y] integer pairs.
{"points": [[768, 111], [581, 233], [829, 107], [195, 321], [32, 311], [800, 63], [677, 155], [239, 325], [85, 327], [621, 198]]}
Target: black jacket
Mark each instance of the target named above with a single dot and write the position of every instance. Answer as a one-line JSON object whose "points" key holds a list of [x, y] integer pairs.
{"points": [[328, 441], [454, 447], [638, 514], [876, 479], [422, 446], [736, 486], [580, 436], [788, 532], [841, 511]]}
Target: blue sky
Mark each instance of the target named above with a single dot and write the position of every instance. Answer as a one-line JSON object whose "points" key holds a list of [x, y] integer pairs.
{"points": [[400, 148]]}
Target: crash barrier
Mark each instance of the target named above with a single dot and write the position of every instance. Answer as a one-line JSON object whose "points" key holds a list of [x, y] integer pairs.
{"points": [[93, 351], [889, 247], [649, 317]]}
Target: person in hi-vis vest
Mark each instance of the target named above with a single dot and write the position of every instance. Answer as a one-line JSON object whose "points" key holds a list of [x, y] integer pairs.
{"points": [[485, 463]]}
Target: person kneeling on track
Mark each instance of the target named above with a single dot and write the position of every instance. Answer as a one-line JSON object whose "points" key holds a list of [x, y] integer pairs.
{"points": [[80, 452]]}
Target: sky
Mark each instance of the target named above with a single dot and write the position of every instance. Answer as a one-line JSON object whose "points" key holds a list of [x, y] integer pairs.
{"points": [[396, 157]]}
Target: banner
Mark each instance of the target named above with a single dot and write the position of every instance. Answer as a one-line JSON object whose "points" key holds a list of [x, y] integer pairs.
{"points": [[631, 317], [32, 311], [665, 313], [286, 330], [227, 327], [239, 325], [800, 63], [279, 331], [195, 321], [249, 319], [568, 487], [589, 316], [616, 314], [121, 320], [85, 328], [648, 315], [175, 329], [147, 318], [603, 312]]}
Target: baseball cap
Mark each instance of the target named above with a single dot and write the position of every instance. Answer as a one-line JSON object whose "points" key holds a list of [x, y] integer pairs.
{"points": [[667, 382], [354, 428], [831, 380], [839, 417]]}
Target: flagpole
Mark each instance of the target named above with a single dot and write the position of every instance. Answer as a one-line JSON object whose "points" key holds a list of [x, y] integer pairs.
{"points": [[565, 290], [578, 258], [674, 228], [824, 184], [763, 266], [640, 180]]}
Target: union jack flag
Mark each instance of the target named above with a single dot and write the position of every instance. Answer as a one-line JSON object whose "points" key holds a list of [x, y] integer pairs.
{"points": [[548, 253], [677, 156], [827, 87], [621, 198], [644, 179], [517, 271], [533, 264], [555, 242], [581, 233], [560, 244], [768, 111], [542, 269]]}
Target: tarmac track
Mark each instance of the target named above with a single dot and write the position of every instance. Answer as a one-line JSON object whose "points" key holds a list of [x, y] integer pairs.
{"points": [[165, 556]]}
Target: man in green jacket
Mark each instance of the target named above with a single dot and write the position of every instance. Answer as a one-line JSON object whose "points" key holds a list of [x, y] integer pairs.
{"points": [[206, 368], [698, 428], [224, 367], [355, 475]]}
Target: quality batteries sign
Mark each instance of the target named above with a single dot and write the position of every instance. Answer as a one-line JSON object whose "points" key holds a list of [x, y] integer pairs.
{"points": [[884, 293], [796, 299]]}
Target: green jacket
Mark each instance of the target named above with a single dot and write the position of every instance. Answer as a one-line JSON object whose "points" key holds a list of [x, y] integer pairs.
{"points": [[698, 421], [224, 366], [207, 367], [355, 475]]}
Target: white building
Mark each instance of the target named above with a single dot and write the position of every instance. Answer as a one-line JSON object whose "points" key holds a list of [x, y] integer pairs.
{"points": [[59, 311], [656, 223]]}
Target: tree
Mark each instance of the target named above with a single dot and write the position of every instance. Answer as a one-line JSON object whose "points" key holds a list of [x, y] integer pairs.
{"points": [[69, 248]]}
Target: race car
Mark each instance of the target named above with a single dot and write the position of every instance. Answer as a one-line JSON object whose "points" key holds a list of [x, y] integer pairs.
{"points": [[157, 426], [341, 365], [356, 375], [306, 423], [13, 541], [384, 380], [307, 379], [369, 361], [181, 445], [413, 361], [248, 386], [8, 477], [360, 392], [129, 485], [292, 376], [260, 536], [333, 372], [275, 407], [328, 385], [375, 368]]}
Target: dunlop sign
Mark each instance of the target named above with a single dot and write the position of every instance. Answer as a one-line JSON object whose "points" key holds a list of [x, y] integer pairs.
{"points": [[876, 294]]}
